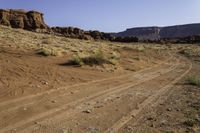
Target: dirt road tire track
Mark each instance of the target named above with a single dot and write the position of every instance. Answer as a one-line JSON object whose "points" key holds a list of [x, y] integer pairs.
{"points": [[119, 88], [148, 102]]}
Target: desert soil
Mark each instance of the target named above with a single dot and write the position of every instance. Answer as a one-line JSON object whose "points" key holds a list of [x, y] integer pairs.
{"points": [[38, 95]]}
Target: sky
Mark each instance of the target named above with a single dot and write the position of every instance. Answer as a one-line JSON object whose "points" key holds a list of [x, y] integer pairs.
{"points": [[111, 15]]}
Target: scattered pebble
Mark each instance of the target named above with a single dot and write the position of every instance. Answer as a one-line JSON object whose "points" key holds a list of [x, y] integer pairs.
{"points": [[87, 111], [93, 129], [169, 109], [64, 130]]}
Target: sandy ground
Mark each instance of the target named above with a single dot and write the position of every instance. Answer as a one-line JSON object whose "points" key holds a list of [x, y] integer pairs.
{"points": [[149, 94], [109, 102]]}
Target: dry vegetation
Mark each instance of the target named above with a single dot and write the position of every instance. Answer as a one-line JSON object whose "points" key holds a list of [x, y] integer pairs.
{"points": [[193, 80], [81, 52]]}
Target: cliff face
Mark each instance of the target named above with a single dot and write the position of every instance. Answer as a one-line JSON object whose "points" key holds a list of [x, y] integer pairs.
{"points": [[141, 33], [30, 20], [154, 33]]}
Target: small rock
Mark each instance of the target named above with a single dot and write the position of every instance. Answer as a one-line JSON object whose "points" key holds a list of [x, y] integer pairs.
{"points": [[169, 109], [72, 92], [197, 118], [87, 111], [64, 130], [24, 108], [93, 129]]}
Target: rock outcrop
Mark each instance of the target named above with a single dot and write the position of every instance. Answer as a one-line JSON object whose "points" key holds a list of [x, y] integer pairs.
{"points": [[31, 20], [81, 34]]}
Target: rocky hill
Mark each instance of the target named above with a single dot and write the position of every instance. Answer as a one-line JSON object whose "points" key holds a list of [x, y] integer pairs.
{"points": [[154, 33], [31, 20]]}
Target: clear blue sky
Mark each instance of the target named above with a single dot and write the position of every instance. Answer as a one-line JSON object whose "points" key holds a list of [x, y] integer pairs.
{"points": [[111, 15]]}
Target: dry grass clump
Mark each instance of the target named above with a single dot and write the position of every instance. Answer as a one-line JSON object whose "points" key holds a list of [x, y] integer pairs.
{"points": [[49, 52], [94, 59], [191, 51], [193, 80], [138, 47]]}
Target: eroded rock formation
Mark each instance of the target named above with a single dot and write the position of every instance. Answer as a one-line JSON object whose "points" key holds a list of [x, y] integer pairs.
{"points": [[81, 34], [31, 20]]}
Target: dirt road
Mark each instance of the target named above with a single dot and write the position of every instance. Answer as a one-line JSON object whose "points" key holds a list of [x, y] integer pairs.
{"points": [[102, 105]]}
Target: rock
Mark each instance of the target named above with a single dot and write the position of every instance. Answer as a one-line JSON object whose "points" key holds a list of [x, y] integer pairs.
{"points": [[87, 111], [169, 109], [28, 20], [45, 83], [163, 122], [197, 118], [93, 129], [73, 32], [64, 130]]}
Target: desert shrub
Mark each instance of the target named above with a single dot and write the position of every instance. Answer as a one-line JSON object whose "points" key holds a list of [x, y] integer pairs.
{"points": [[48, 52], [193, 80], [95, 59], [76, 60], [191, 52], [141, 48]]}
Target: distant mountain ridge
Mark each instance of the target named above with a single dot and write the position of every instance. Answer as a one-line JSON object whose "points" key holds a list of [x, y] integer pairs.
{"points": [[155, 33]]}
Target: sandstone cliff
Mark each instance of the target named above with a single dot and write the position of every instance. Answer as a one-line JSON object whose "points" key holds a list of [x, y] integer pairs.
{"points": [[31, 20]]}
